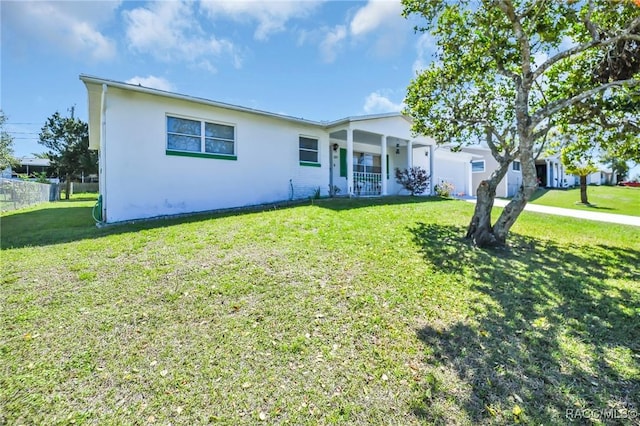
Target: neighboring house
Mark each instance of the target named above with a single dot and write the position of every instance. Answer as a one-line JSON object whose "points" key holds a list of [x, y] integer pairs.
{"points": [[163, 153], [31, 167], [603, 176], [551, 173]]}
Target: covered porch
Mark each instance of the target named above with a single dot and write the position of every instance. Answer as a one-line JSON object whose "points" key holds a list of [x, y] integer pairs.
{"points": [[551, 173], [365, 151]]}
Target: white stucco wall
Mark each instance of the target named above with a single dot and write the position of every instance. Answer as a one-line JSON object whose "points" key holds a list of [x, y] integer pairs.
{"points": [[512, 181], [490, 164], [142, 181], [453, 168]]}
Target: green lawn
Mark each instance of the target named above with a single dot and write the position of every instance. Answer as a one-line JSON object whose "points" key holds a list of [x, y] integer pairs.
{"points": [[605, 199], [342, 312]]}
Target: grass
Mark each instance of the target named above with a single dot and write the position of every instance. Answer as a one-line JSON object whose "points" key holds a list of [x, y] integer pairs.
{"points": [[605, 199], [361, 311]]}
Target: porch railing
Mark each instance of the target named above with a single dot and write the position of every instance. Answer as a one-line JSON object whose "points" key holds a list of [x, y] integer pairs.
{"points": [[367, 183]]}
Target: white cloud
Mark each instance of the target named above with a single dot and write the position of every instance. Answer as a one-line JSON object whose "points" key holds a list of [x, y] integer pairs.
{"points": [[153, 82], [382, 21], [331, 42], [170, 31], [376, 103], [378, 24], [375, 14], [425, 47], [71, 27], [271, 16]]}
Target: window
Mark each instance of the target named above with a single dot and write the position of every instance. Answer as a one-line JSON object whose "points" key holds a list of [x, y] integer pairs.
{"points": [[516, 166], [200, 138], [477, 166], [308, 151], [366, 163]]}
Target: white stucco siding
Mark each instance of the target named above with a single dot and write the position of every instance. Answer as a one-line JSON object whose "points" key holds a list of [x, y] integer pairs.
{"points": [[490, 165], [514, 180], [449, 169], [143, 181]]}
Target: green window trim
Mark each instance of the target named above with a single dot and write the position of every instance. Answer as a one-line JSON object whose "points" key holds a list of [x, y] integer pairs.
{"points": [[387, 166], [201, 155], [310, 164]]}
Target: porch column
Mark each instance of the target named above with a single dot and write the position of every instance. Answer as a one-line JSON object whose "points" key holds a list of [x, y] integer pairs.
{"points": [[431, 171], [409, 154], [349, 161], [383, 164], [546, 160]]}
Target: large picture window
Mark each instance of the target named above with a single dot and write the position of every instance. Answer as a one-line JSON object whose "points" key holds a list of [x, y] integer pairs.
{"points": [[308, 148], [200, 138]]}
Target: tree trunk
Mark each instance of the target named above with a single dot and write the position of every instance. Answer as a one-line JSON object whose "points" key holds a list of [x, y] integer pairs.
{"points": [[480, 230], [67, 187], [583, 190], [516, 206]]}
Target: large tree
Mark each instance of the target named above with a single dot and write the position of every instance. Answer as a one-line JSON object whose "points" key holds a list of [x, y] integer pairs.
{"points": [[67, 139], [6, 144], [506, 71]]}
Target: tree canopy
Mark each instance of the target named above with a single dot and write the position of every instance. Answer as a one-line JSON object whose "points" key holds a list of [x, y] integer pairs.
{"points": [[505, 72], [6, 144], [67, 140]]}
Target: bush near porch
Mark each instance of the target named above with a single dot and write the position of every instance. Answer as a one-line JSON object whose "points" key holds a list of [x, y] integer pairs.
{"points": [[365, 311]]}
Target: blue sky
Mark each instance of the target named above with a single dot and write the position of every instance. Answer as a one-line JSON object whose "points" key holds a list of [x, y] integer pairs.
{"points": [[321, 60]]}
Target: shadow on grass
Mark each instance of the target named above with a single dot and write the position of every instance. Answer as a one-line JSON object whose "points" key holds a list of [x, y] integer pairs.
{"points": [[540, 192], [555, 333], [345, 203], [63, 222], [593, 206]]}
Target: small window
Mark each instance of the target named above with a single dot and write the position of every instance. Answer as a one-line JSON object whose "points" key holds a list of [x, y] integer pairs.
{"points": [[200, 138], [308, 150], [516, 166], [477, 166]]}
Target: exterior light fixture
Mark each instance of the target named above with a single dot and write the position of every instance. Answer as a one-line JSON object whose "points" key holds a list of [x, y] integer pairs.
{"points": [[335, 146], [397, 148]]}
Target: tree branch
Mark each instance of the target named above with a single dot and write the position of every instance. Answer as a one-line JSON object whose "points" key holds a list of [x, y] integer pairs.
{"points": [[553, 107], [593, 30], [520, 35], [626, 35]]}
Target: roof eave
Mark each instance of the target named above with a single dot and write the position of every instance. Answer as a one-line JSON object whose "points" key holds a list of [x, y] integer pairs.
{"points": [[157, 92]]}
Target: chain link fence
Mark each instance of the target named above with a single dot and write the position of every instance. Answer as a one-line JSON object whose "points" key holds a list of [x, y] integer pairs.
{"points": [[16, 194]]}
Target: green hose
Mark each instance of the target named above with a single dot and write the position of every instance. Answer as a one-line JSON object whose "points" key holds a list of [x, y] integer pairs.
{"points": [[97, 210]]}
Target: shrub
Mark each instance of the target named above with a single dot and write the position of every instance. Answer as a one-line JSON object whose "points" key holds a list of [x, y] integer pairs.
{"points": [[444, 189], [415, 180]]}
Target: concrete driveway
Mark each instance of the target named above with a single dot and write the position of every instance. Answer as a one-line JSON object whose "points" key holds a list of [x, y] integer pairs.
{"points": [[580, 214]]}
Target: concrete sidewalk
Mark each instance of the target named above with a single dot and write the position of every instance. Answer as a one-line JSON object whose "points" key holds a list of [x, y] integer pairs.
{"points": [[579, 214]]}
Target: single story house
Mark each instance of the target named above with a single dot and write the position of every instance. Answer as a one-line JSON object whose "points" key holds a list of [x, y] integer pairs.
{"points": [[164, 153], [551, 173]]}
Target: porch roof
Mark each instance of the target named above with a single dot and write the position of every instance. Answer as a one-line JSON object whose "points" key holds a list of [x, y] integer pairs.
{"points": [[369, 129]]}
